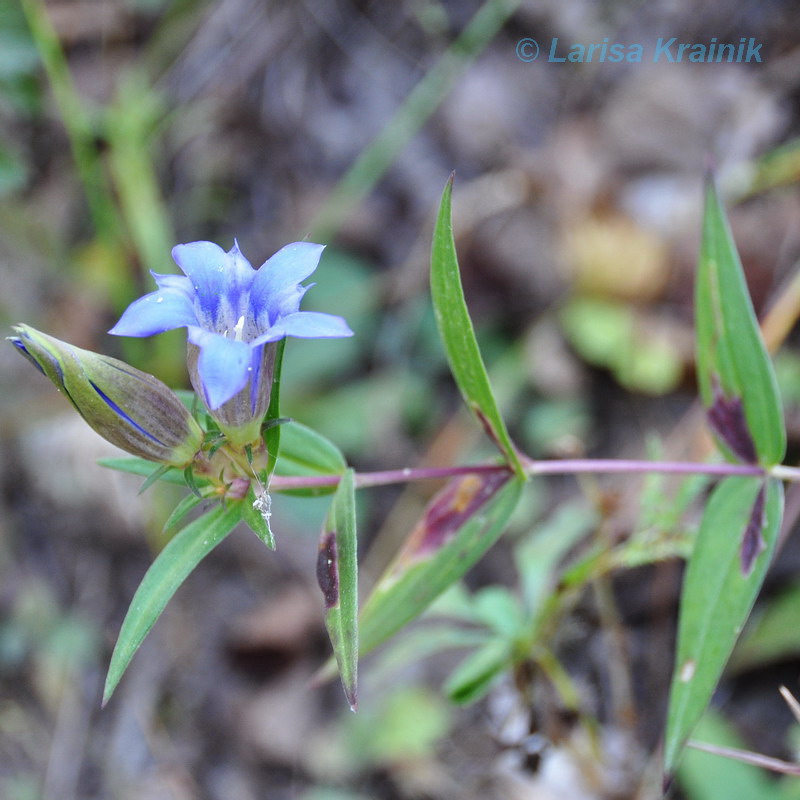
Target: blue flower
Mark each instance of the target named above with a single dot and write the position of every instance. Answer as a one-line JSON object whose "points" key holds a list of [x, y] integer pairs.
{"points": [[233, 314]]}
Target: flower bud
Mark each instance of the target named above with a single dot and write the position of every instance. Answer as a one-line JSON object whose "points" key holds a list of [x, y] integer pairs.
{"points": [[129, 408]]}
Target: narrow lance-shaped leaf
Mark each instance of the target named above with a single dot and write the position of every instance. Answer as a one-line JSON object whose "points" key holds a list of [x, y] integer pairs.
{"points": [[337, 573], [458, 336], [459, 525], [171, 567], [141, 466], [737, 381], [189, 502], [722, 581]]}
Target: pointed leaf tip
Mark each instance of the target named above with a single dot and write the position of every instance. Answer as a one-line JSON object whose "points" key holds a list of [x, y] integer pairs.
{"points": [[165, 575], [734, 370], [718, 595], [458, 335]]}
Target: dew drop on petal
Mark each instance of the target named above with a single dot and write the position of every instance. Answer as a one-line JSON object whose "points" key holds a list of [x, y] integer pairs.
{"points": [[160, 300]]}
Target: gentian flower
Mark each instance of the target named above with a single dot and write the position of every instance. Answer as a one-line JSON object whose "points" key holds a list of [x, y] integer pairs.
{"points": [[234, 316], [126, 406]]}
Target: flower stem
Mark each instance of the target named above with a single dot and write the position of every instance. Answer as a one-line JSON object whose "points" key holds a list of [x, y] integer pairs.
{"points": [[532, 467]]}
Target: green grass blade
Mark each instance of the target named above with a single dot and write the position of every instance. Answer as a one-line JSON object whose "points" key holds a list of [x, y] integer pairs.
{"points": [[717, 598], [459, 525], [337, 572], [737, 381], [458, 336], [171, 567]]}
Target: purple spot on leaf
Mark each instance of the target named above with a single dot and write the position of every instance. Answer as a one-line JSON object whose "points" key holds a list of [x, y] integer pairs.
{"points": [[454, 505], [753, 542], [727, 420], [328, 569]]}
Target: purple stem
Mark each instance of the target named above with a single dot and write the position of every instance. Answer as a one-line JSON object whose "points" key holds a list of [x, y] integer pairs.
{"points": [[555, 467]]}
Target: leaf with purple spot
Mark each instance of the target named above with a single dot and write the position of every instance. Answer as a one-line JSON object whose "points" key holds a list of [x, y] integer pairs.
{"points": [[337, 574], [734, 370], [458, 526], [727, 420], [731, 556]]}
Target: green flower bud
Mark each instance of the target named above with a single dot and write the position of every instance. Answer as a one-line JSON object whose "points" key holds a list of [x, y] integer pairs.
{"points": [[129, 408]]}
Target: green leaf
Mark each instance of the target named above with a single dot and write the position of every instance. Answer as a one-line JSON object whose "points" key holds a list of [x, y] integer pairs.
{"points": [[190, 479], [459, 525], [706, 776], [458, 336], [156, 475], [189, 502], [717, 598], [538, 555], [141, 466], [474, 676], [337, 572], [418, 643], [737, 381], [171, 567], [499, 610], [772, 635], [304, 452]]}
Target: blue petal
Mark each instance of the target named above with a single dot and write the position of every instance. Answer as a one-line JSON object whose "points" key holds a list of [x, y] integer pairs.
{"points": [[220, 282], [172, 281], [275, 286], [306, 325], [156, 312], [222, 365]]}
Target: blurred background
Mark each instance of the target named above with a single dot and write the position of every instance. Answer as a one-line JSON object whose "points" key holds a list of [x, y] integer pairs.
{"points": [[127, 126]]}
